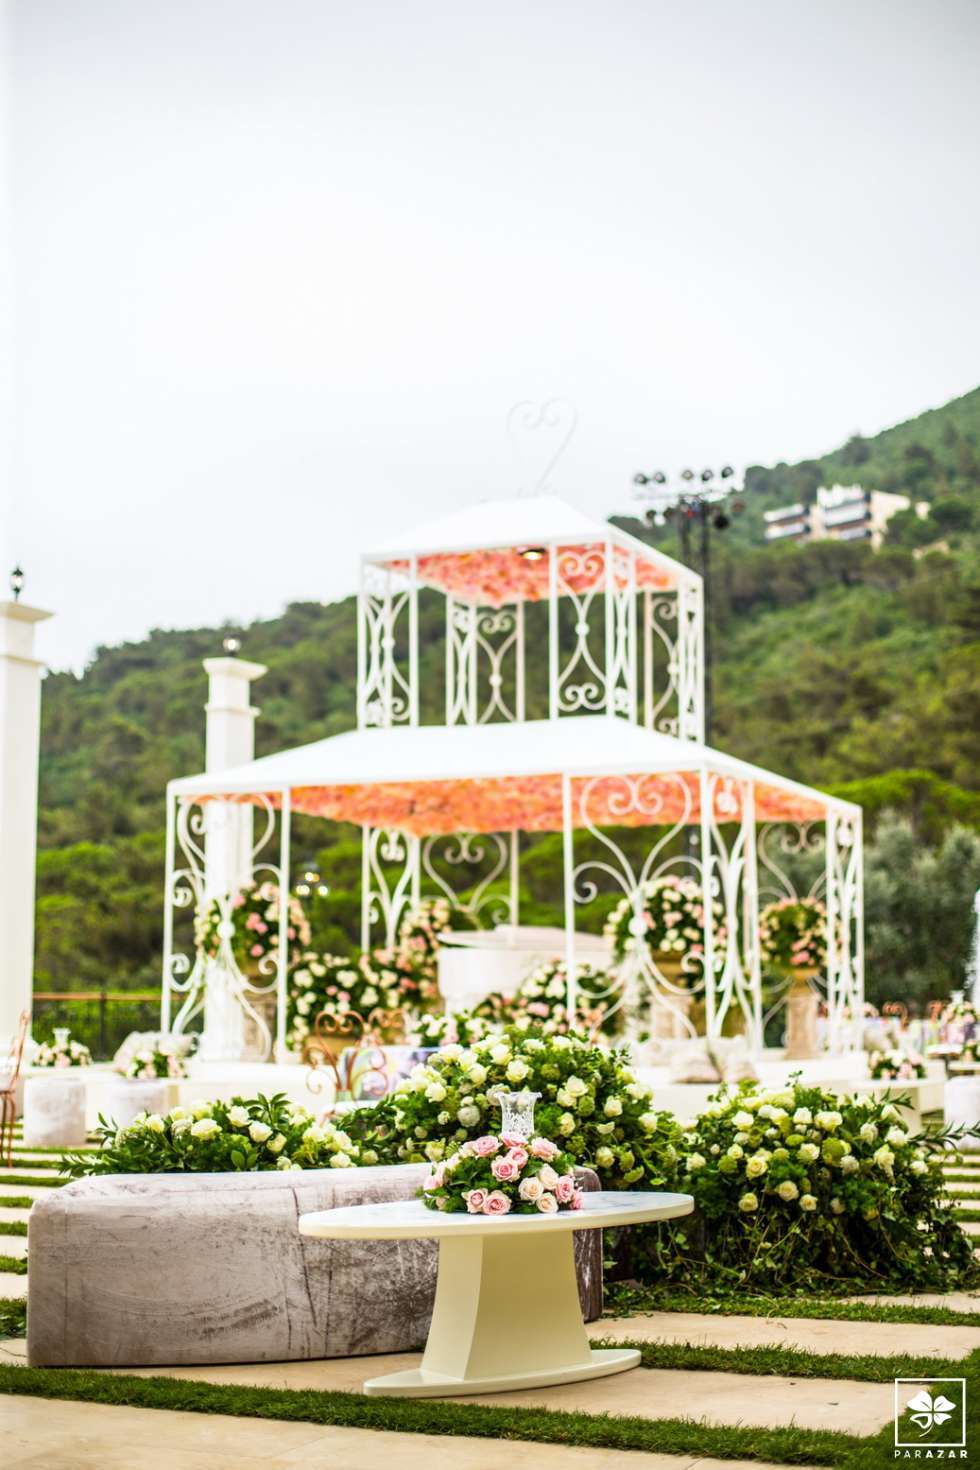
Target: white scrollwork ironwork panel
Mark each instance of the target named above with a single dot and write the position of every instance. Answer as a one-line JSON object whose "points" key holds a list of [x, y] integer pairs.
{"points": [[385, 695], [476, 861], [638, 978], [391, 870], [201, 978], [581, 676], [621, 634], [660, 662], [461, 691], [845, 931], [690, 661], [499, 658], [732, 882]]}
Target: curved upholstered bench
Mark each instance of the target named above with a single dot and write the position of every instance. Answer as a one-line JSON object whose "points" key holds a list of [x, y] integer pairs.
{"points": [[153, 1269]]}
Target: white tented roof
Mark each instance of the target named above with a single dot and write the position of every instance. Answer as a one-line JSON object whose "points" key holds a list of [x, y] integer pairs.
{"points": [[487, 777]]}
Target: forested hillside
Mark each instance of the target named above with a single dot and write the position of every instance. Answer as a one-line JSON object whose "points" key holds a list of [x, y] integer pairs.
{"points": [[833, 664]]}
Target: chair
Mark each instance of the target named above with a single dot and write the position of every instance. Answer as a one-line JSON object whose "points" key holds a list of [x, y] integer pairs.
{"points": [[8, 1092]]}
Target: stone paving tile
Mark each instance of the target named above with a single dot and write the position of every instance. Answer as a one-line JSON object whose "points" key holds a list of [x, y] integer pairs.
{"points": [[718, 1398], [822, 1335], [970, 1227], [13, 1216], [58, 1435], [13, 1285], [953, 1301], [14, 1245], [33, 1190]]}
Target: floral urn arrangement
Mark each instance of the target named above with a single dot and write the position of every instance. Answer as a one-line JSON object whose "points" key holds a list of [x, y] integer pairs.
{"points": [[412, 963], [62, 1052], [896, 1065], [151, 1063], [543, 999], [251, 927], [663, 927], [793, 943], [333, 999]]}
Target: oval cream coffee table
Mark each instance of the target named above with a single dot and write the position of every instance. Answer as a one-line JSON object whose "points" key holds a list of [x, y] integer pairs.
{"points": [[507, 1310]]}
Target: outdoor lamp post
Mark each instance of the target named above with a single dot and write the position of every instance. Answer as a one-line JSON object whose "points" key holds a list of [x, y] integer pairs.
{"points": [[311, 883], [701, 500]]}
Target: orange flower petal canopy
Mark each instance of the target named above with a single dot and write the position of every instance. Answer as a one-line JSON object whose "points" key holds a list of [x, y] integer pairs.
{"points": [[436, 779]]}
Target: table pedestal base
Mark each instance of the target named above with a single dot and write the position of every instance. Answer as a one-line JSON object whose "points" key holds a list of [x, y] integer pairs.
{"points": [[506, 1316], [416, 1383]]}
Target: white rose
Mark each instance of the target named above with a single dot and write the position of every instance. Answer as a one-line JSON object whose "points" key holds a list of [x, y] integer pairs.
{"points": [[500, 1053], [531, 1188], [808, 1202], [277, 1144], [453, 1051], [435, 1092], [889, 1113], [897, 1137], [604, 1129], [548, 1176], [787, 1190], [648, 1122], [849, 1164], [468, 1115], [477, 1075], [919, 1166], [808, 1152], [869, 1133], [695, 1162], [564, 1098], [517, 1070], [837, 1205], [547, 1204], [259, 1132], [575, 1087], [613, 1107], [605, 1157], [205, 1128], [756, 1167], [828, 1121], [238, 1117], [201, 1110], [156, 1124], [735, 1152], [340, 1161], [803, 1117], [566, 1124], [884, 1158], [748, 1204], [743, 1120]]}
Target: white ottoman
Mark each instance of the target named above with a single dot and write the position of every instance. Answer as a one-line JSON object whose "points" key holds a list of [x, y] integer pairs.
{"points": [[962, 1106], [125, 1097], [54, 1112]]}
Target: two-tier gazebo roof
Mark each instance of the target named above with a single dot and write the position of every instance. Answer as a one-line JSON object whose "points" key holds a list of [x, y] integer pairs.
{"points": [[547, 611]]}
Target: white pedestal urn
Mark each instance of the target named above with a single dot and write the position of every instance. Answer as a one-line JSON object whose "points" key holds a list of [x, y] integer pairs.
{"points": [[125, 1097], [670, 1013], [802, 1005], [962, 1106], [54, 1110]]}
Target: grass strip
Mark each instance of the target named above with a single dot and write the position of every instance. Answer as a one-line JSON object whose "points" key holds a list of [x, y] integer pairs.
{"points": [[962, 1178], [30, 1181], [19, 1162], [13, 1317], [639, 1301], [784, 1362], [787, 1446], [968, 1215], [14, 1264], [13, 1227], [15, 1202]]}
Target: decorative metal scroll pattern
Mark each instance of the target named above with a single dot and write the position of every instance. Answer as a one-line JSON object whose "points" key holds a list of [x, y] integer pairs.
{"points": [[660, 652], [581, 679], [481, 643], [778, 842], [385, 693], [730, 878], [391, 872], [621, 633], [690, 661], [845, 931], [466, 849], [638, 980], [214, 975]]}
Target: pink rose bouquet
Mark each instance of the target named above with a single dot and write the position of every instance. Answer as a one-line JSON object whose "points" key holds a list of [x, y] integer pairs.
{"points": [[500, 1174]]}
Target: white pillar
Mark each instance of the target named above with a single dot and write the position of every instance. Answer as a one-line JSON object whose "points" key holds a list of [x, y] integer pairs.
{"points": [[230, 741], [20, 734]]}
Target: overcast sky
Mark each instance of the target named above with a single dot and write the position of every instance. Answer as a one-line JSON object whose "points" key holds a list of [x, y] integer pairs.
{"points": [[281, 267]]}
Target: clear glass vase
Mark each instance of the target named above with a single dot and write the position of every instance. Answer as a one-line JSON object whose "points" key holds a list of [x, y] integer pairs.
{"points": [[517, 1112]]}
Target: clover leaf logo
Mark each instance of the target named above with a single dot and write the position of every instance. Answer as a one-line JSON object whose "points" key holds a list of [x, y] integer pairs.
{"points": [[927, 1411]]}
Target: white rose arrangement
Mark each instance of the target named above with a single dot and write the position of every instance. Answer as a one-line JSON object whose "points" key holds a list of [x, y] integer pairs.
{"points": [[62, 1052]]}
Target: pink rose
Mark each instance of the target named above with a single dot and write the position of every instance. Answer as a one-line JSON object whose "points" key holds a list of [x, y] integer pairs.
{"points": [[518, 1157], [547, 1204], [253, 922], [513, 1140], [537, 1008], [262, 928], [496, 1204], [575, 1203], [504, 1169], [476, 1200], [565, 1188], [543, 1148], [485, 1146], [256, 951]]}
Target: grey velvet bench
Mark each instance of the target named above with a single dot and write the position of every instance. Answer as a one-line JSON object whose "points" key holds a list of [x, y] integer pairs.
{"points": [[151, 1269]]}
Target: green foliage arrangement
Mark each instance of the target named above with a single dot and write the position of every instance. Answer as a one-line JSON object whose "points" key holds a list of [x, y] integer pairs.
{"points": [[590, 1101], [793, 934], [258, 1133], [801, 1189]]}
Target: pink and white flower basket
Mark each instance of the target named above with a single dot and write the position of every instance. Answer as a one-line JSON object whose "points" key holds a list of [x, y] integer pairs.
{"points": [[502, 1174]]}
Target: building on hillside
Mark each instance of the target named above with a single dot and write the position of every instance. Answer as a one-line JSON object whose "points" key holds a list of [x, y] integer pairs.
{"points": [[840, 513]]}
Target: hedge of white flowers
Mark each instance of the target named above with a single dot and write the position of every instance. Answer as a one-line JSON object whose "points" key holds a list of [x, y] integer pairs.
{"points": [[257, 1133], [801, 1187], [591, 1104]]}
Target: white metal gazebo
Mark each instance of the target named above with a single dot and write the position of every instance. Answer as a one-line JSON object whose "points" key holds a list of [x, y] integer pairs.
{"points": [[611, 738]]}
